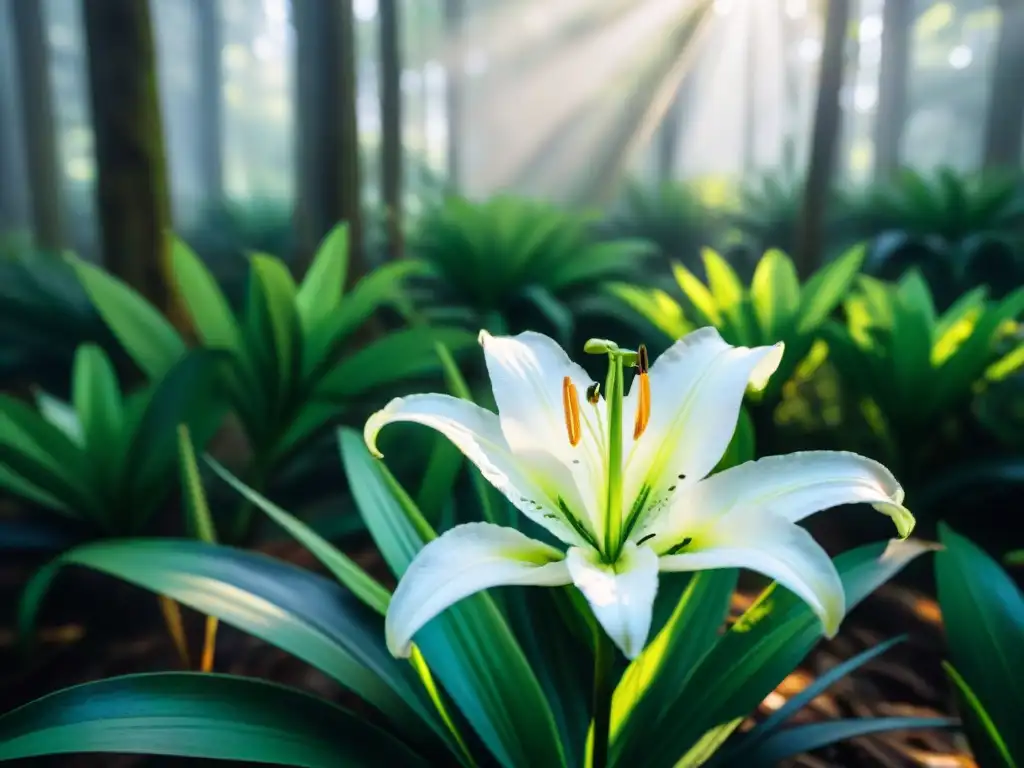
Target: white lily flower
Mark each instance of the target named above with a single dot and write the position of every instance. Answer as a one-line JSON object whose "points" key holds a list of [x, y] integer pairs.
{"points": [[623, 482]]}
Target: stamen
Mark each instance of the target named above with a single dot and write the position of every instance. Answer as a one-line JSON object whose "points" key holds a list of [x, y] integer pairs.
{"points": [[594, 393], [571, 406], [643, 407], [642, 539]]}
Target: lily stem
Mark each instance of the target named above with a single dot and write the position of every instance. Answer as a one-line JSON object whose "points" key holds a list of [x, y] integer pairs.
{"points": [[604, 656], [613, 503]]}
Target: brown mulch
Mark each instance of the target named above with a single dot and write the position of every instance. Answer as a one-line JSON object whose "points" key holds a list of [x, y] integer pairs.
{"points": [[907, 680]]}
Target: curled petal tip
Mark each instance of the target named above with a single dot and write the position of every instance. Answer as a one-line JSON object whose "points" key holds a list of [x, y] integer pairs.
{"points": [[901, 516], [483, 337]]}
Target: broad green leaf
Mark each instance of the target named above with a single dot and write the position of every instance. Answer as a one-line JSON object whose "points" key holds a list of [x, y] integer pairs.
{"points": [[728, 291], [62, 415], [382, 287], [324, 283], [983, 612], [362, 585], [761, 648], [208, 307], [470, 648], [146, 335], [300, 612], [699, 295], [775, 293], [656, 307], [399, 355], [19, 486], [654, 678], [200, 521], [189, 395], [45, 457], [803, 738], [193, 715], [97, 398], [987, 744], [278, 295], [313, 416], [827, 287]]}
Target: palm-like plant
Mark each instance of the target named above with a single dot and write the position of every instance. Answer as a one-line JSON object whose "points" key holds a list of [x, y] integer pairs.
{"points": [[289, 372], [960, 231], [916, 371], [511, 263]]}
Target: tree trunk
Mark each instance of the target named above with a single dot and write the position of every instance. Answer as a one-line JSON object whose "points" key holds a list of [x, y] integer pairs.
{"points": [[810, 233], [454, 18], [1004, 127], [328, 139], [132, 196], [391, 153], [210, 112], [897, 19], [668, 140], [38, 128]]}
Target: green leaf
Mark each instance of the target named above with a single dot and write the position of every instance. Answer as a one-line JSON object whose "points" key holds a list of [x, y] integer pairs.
{"points": [[804, 738], [145, 334], [383, 286], [207, 305], [45, 457], [653, 680], [276, 306], [189, 395], [759, 650], [987, 744], [188, 714], [983, 613], [775, 293], [469, 648], [827, 287], [387, 361], [97, 398], [300, 612], [362, 585], [62, 415], [728, 291], [765, 729], [324, 283], [199, 519], [698, 294]]}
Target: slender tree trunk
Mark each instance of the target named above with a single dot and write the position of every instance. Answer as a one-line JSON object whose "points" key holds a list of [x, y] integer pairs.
{"points": [[328, 139], [1004, 127], [790, 92], [133, 200], [454, 18], [391, 152], [38, 127], [210, 112], [897, 18], [810, 233]]}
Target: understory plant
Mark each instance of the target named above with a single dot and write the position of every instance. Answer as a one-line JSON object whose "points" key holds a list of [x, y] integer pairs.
{"points": [[774, 307], [913, 372], [291, 369], [454, 674], [510, 263], [103, 464]]}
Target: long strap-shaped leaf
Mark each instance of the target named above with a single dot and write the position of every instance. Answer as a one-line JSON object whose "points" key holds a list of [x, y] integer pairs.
{"points": [[300, 612], [185, 714], [470, 647], [764, 646]]}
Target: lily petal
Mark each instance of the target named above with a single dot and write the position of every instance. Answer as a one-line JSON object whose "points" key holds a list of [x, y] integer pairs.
{"points": [[792, 486], [777, 548], [465, 560], [476, 432], [621, 595], [697, 388], [527, 373]]}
